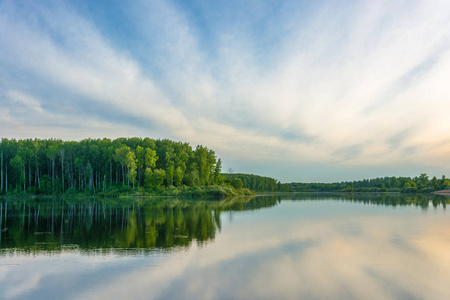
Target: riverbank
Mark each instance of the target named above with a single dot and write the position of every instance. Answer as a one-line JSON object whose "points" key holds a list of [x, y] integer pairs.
{"points": [[211, 191], [442, 192]]}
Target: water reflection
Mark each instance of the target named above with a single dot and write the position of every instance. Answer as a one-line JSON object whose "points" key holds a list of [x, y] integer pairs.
{"points": [[33, 225], [386, 199], [124, 225], [307, 247]]}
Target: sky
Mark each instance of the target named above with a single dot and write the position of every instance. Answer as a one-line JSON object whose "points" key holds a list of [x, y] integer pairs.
{"points": [[296, 90]]}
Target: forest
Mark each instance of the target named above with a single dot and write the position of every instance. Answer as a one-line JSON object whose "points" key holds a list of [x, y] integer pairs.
{"points": [[258, 183], [53, 166], [418, 184], [144, 165]]}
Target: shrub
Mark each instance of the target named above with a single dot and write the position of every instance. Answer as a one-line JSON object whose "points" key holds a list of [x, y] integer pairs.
{"points": [[237, 183], [426, 190], [409, 190], [71, 191]]}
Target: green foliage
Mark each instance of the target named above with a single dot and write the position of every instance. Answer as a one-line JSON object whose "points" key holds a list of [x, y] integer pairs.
{"points": [[130, 161], [148, 175], [237, 183], [178, 176], [426, 190], [256, 183], [158, 177], [216, 191], [100, 165], [150, 158], [110, 167], [217, 177], [71, 191], [18, 165], [417, 184], [409, 190], [169, 176]]}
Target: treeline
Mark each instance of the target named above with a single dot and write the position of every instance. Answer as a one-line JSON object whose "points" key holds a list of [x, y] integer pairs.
{"points": [[53, 166], [257, 183], [418, 184]]}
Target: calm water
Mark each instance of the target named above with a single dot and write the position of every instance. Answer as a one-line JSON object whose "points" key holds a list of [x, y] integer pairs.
{"points": [[274, 247]]}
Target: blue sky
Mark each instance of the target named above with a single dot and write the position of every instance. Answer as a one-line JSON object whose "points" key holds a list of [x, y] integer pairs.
{"points": [[296, 90]]}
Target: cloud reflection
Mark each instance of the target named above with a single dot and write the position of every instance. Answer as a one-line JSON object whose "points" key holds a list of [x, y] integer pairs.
{"points": [[294, 250], [304, 257]]}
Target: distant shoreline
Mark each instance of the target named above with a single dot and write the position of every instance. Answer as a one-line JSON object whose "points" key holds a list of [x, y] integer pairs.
{"points": [[442, 192]]}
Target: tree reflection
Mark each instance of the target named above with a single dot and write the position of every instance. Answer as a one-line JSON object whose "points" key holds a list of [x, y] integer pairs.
{"points": [[386, 199], [144, 225], [120, 225]]}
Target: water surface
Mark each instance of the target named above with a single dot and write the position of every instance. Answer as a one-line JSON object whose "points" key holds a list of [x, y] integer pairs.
{"points": [[272, 247]]}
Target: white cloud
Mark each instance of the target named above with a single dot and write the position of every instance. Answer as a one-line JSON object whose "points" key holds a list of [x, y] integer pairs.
{"points": [[28, 101], [341, 79]]}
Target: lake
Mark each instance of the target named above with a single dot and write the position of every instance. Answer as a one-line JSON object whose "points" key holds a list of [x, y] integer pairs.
{"points": [[298, 246]]}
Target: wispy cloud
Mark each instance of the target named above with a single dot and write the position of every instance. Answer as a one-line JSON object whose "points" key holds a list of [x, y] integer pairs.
{"points": [[321, 83]]}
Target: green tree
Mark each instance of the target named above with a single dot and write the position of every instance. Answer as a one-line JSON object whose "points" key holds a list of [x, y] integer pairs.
{"points": [[90, 176], [217, 170], [205, 160], [169, 175], [150, 158], [26, 154], [237, 183], [158, 177], [435, 183], [148, 177], [52, 152], [178, 176], [62, 153], [140, 160], [18, 164], [121, 157], [131, 166], [423, 180]]}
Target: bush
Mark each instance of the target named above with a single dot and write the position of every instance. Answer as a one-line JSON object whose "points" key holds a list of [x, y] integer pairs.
{"points": [[71, 191], [112, 191], [409, 190], [125, 189], [31, 190], [237, 183], [247, 192], [426, 190]]}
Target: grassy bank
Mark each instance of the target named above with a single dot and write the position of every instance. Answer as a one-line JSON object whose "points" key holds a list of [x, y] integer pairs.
{"points": [[210, 191]]}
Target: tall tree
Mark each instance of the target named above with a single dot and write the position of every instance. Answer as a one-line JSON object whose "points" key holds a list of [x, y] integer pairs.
{"points": [[52, 152], [25, 154], [150, 158], [121, 157], [62, 152], [140, 159], [217, 169], [131, 166], [18, 164], [36, 148]]}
